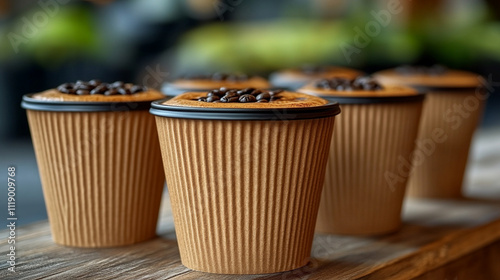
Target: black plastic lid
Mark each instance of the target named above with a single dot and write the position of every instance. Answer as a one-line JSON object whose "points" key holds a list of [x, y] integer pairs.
{"points": [[323, 111], [426, 89], [374, 99], [30, 103]]}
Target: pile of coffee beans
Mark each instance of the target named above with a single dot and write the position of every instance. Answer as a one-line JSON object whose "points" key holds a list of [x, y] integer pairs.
{"points": [[218, 77], [434, 70], [98, 87], [241, 95], [343, 84]]}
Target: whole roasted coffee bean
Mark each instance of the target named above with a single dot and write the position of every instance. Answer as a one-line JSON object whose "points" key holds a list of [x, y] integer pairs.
{"points": [[233, 99], [82, 92], [245, 91], [256, 92], [136, 89], [83, 86], [116, 84], [202, 99], [123, 91], [213, 98], [111, 91], [263, 100], [231, 93], [97, 87], [264, 95], [275, 92], [246, 95], [95, 82], [247, 98]]}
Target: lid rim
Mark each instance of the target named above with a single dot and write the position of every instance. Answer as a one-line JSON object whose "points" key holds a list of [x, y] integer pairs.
{"points": [[374, 99], [204, 113], [30, 103]]}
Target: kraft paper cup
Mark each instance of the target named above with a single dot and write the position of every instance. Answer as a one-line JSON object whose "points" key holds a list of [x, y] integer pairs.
{"points": [[444, 141], [450, 116], [244, 184], [100, 168], [365, 179]]}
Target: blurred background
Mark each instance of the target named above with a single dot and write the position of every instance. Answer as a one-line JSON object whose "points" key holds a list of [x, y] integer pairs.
{"points": [[48, 42]]}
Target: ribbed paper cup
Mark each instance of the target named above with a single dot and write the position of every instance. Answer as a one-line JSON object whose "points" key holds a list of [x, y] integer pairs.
{"points": [[366, 175], [449, 120], [450, 116], [369, 146], [244, 193], [101, 172]]}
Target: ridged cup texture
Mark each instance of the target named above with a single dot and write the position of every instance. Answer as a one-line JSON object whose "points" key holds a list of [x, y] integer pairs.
{"points": [[244, 194], [441, 171], [368, 143], [101, 173]]}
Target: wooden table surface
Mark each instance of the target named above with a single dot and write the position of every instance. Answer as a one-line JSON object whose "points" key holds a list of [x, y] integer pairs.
{"points": [[440, 239], [435, 233]]}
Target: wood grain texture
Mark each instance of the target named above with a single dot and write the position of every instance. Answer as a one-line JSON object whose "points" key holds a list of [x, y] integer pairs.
{"points": [[434, 233]]}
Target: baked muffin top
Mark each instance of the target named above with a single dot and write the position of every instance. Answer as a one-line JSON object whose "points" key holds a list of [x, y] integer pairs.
{"points": [[97, 91], [217, 80], [359, 87], [316, 72], [435, 76], [245, 99]]}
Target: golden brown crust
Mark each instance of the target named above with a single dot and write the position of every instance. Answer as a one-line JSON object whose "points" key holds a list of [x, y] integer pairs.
{"points": [[387, 91], [203, 84], [331, 72], [55, 95], [287, 100], [450, 78]]}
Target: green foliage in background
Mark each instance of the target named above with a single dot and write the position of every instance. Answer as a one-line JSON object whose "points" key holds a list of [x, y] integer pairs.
{"points": [[68, 34]]}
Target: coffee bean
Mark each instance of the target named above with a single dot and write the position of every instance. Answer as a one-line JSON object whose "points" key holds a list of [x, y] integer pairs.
{"points": [[83, 86], [247, 98], [230, 93], [136, 89], [63, 89], [116, 84], [264, 95], [256, 92], [111, 91], [212, 98], [97, 87], [202, 99], [343, 84], [246, 95], [123, 91], [94, 82], [82, 92]]}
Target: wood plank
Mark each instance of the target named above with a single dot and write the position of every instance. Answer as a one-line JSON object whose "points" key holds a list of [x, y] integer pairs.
{"points": [[481, 264], [435, 232]]}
